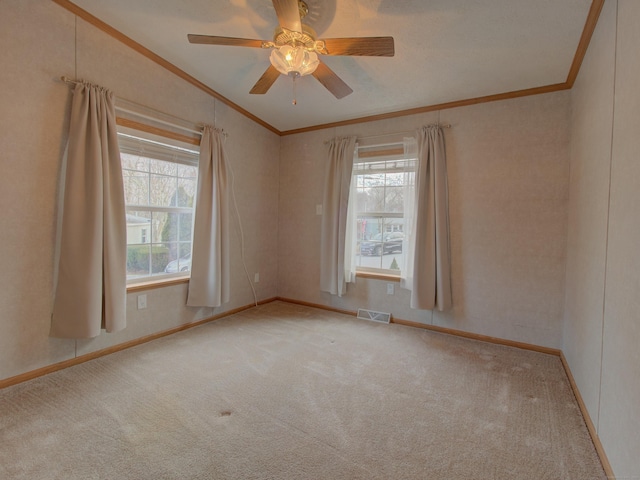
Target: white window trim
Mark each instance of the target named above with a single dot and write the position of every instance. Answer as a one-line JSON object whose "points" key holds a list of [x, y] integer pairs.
{"points": [[377, 153]]}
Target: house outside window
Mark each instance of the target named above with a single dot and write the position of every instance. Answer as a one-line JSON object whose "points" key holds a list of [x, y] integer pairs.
{"points": [[160, 181]]}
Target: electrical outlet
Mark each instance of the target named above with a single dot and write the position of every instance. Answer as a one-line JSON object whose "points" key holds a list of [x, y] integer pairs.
{"points": [[318, 209], [390, 288], [256, 277], [142, 302]]}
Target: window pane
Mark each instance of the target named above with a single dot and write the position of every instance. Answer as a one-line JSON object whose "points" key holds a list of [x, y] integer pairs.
{"points": [[368, 241], [163, 168], [185, 249], [159, 258], [186, 192], [166, 227], [185, 226], [373, 180], [372, 227], [381, 243], [174, 228], [395, 179], [136, 187], [361, 200], [394, 199], [375, 199], [183, 261], [163, 191], [134, 162], [187, 171], [138, 227], [138, 260], [410, 178]]}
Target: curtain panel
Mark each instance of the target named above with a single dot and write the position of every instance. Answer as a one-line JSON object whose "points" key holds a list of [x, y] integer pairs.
{"points": [[427, 272], [90, 292], [333, 277], [409, 213], [210, 272]]}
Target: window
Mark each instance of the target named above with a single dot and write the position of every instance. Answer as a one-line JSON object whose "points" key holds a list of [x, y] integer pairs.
{"points": [[382, 182], [160, 180]]}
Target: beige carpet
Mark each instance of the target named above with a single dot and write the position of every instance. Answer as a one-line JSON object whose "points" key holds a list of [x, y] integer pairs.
{"points": [[288, 392]]}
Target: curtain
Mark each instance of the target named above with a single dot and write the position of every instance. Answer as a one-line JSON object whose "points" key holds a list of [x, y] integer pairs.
{"points": [[409, 206], [209, 284], [334, 216], [428, 270], [90, 292], [351, 232]]}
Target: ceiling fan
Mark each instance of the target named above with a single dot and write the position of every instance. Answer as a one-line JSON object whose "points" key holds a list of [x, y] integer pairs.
{"points": [[295, 49]]}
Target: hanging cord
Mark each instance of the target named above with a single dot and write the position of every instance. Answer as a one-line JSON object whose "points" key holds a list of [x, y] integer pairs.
{"points": [[244, 263], [295, 100]]}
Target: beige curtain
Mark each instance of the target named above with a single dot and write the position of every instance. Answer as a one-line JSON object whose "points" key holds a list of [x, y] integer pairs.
{"points": [[209, 284], [351, 233], [334, 216], [428, 270], [90, 292]]}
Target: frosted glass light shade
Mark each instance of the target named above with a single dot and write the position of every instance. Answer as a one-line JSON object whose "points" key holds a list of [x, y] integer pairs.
{"points": [[288, 59]]}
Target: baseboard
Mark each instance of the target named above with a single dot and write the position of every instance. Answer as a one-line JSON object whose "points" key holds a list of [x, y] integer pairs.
{"points": [[317, 305], [479, 337], [587, 420], [39, 372], [434, 328]]}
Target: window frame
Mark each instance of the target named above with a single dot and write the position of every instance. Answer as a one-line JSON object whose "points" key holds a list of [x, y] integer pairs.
{"points": [[389, 152], [171, 147]]}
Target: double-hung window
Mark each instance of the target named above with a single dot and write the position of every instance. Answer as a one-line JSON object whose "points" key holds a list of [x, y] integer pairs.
{"points": [[160, 180], [383, 188]]}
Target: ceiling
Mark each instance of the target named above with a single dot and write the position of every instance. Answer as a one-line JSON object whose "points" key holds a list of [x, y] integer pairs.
{"points": [[445, 50]]}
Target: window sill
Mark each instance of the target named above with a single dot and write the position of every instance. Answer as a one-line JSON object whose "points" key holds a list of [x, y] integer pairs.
{"points": [[151, 284], [379, 276]]}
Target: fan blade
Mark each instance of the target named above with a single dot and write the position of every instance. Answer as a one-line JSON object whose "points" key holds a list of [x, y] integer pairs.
{"points": [[364, 46], [331, 81], [266, 80], [288, 14], [230, 41]]}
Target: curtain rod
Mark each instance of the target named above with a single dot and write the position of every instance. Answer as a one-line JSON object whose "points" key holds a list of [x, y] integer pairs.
{"points": [[197, 131], [391, 135], [402, 133]]}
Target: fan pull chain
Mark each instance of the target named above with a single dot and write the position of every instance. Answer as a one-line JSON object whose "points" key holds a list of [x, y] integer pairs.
{"points": [[295, 101]]}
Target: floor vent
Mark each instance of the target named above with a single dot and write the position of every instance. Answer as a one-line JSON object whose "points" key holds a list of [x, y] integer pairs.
{"points": [[380, 317]]}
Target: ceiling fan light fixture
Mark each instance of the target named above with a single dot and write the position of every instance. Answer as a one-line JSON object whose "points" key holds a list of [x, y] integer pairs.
{"points": [[297, 60]]}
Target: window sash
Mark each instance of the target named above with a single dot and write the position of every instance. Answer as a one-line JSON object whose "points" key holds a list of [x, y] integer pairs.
{"points": [[168, 151], [142, 256], [380, 160], [153, 208]]}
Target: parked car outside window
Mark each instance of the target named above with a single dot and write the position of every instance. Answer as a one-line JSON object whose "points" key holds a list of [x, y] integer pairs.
{"points": [[183, 264], [382, 244]]}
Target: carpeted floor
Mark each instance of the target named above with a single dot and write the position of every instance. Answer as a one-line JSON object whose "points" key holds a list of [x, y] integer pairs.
{"points": [[288, 392]]}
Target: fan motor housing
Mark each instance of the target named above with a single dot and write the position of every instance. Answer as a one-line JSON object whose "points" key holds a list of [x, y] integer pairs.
{"points": [[306, 38]]}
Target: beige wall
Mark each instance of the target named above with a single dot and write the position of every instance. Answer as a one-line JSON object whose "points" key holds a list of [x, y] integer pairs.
{"points": [[508, 187], [602, 331], [38, 46], [588, 210]]}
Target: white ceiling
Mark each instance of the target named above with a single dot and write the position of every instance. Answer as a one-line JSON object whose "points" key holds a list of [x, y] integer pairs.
{"points": [[445, 50]]}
